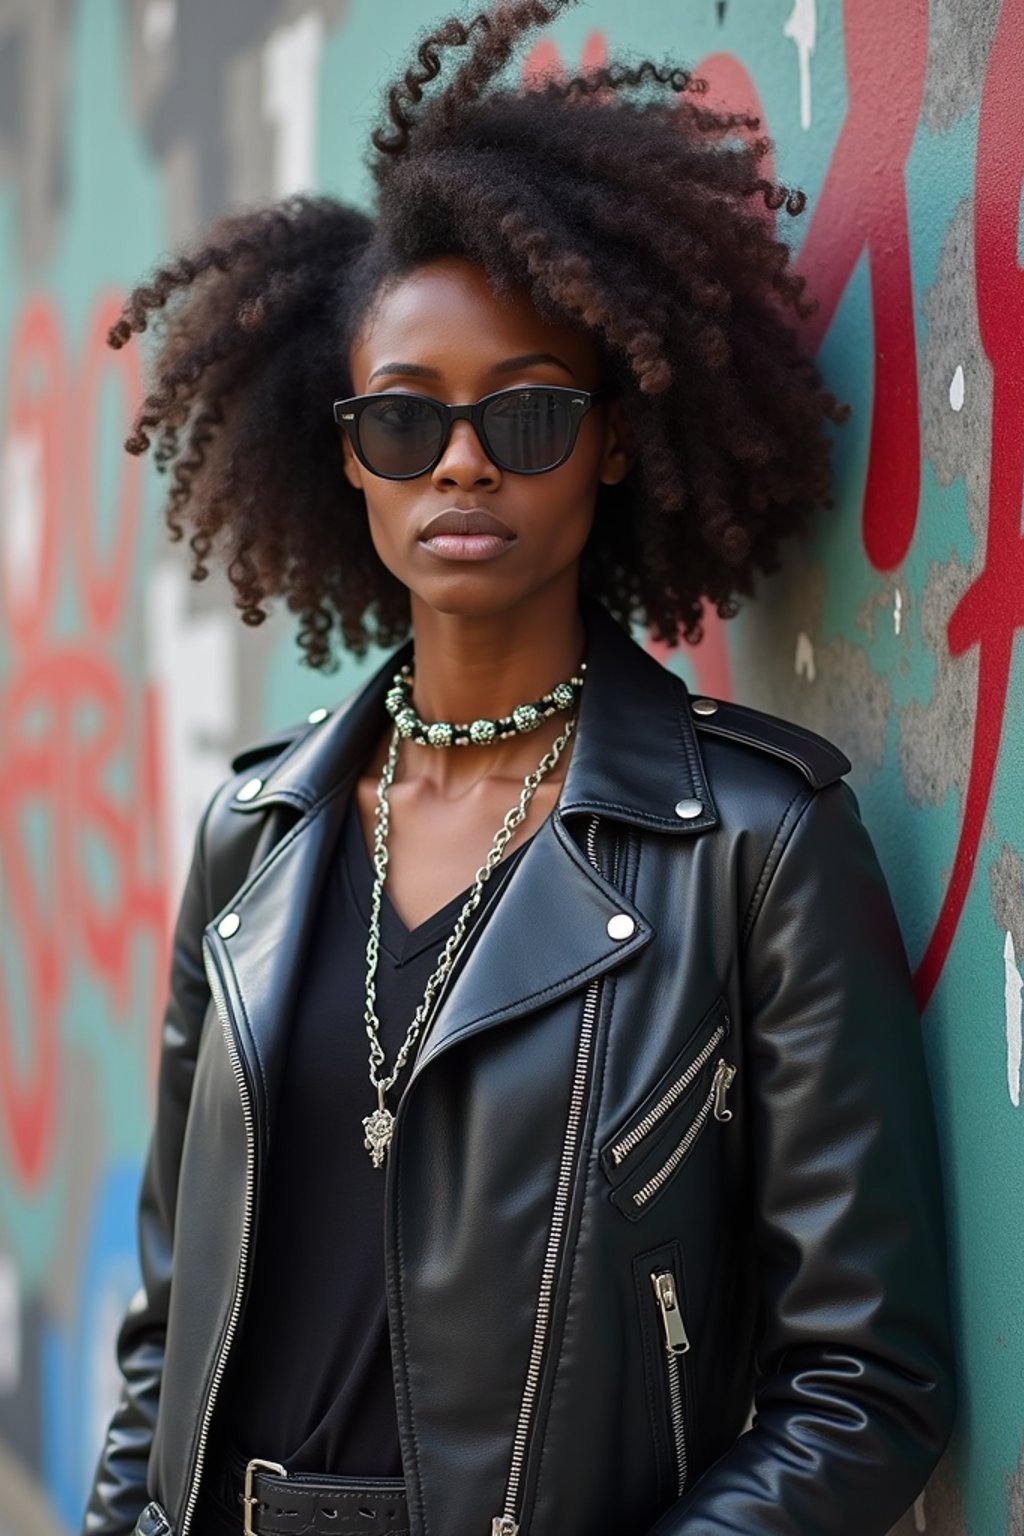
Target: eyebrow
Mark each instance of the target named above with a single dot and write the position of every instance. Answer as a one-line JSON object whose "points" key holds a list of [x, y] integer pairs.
{"points": [[507, 365]]}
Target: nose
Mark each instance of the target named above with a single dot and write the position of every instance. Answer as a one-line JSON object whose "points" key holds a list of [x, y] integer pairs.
{"points": [[464, 461]]}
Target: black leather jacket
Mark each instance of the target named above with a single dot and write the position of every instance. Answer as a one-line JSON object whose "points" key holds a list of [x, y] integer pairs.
{"points": [[674, 1096]]}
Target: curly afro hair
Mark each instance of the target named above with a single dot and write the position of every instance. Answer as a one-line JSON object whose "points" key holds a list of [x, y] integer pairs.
{"points": [[622, 204]]}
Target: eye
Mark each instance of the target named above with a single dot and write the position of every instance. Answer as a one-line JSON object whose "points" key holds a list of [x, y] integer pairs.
{"points": [[400, 411]]}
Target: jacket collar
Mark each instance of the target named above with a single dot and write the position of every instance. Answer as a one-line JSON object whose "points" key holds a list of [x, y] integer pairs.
{"points": [[635, 757]]}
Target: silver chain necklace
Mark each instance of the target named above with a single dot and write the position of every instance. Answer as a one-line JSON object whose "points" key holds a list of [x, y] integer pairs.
{"points": [[380, 1125]]}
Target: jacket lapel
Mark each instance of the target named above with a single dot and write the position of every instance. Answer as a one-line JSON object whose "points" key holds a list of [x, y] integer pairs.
{"points": [[552, 938], [261, 959]]}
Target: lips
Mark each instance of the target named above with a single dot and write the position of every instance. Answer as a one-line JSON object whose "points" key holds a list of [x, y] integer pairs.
{"points": [[472, 520], [467, 534]]}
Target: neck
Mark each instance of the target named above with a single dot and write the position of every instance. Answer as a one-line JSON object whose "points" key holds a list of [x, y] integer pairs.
{"points": [[468, 668]]}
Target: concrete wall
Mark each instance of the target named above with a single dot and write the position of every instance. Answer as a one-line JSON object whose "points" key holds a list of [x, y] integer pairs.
{"points": [[125, 124]]}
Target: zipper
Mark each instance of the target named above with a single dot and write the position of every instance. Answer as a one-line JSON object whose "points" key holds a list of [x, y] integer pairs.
{"points": [[676, 1344], [237, 1069], [633, 1137], [507, 1524], [715, 1101], [724, 1074]]}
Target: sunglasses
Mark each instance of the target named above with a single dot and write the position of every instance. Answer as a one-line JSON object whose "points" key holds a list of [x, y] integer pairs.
{"points": [[525, 431]]}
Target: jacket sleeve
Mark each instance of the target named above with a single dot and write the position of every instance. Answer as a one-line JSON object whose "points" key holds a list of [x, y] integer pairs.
{"points": [[855, 1395], [119, 1491]]}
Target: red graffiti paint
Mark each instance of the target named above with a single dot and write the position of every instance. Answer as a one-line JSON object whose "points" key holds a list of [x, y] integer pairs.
{"points": [[73, 713], [862, 209], [544, 61], [992, 609]]}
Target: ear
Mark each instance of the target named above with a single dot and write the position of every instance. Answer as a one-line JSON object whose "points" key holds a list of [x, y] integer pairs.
{"points": [[619, 444], [349, 463]]}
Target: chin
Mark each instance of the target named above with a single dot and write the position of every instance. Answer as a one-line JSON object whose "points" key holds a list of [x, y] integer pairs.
{"points": [[473, 594], [480, 589]]}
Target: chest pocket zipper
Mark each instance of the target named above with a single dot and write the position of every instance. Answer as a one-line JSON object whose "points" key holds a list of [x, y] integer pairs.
{"points": [[713, 1104], [676, 1090], [640, 1159]]}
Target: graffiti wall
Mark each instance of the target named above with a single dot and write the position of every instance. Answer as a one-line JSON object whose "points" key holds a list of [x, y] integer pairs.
{"points": [[126, 125]]}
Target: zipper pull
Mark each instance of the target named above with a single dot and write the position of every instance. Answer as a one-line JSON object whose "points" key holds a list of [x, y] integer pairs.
{"points": [[724, 1074], [676, 1342], [504, 1525]]}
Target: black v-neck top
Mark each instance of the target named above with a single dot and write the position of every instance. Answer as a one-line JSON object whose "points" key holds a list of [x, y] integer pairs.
{"points": [[310, 1382]]}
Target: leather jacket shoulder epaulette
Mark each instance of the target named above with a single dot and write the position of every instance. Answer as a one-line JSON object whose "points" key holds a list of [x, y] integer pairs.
{"points": [[819, 760]]}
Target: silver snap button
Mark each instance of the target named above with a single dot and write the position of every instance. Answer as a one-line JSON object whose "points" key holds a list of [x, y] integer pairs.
{"points": [[316, 715], [229, 925], [686, 810], [621, 926], [250, 790], [704, 707]]}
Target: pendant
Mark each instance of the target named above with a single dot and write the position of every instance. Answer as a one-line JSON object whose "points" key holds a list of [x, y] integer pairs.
{"points": [[379, 1127]]}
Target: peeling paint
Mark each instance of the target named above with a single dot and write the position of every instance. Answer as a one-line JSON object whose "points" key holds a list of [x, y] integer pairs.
{"points": [[959, 40], [935, 737], [1006, 887], [802, 30], [803, 664], [957, 446], [1013, 988]]}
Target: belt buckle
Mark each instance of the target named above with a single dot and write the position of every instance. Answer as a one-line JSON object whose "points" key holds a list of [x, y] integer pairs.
{"points": [[249, 1499]]}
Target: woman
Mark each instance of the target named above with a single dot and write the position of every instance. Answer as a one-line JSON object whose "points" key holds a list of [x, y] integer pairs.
{"points": [[642, 1137]]}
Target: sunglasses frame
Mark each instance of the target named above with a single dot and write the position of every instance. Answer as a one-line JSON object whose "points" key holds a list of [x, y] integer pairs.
{"points": [[581, 401]]}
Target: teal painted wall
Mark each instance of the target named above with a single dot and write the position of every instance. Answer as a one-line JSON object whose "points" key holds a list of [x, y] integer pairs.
{"points": [[124, 126]]}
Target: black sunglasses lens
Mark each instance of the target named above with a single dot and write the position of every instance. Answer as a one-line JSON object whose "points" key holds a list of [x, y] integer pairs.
{"points": [[399, 434], [528, 429]]}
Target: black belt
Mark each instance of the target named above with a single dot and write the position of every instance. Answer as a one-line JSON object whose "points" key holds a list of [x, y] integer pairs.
{"points": [[279, 1503]]}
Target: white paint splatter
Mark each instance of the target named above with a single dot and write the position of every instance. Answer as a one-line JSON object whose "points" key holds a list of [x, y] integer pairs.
{"points": [[159, 20], [897, 610], [803, 664], [291, 74], [192, 660], [1014, 987], [10, 1327], [23, 516], [802, 29], [920, 1519], [956, 388]]}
